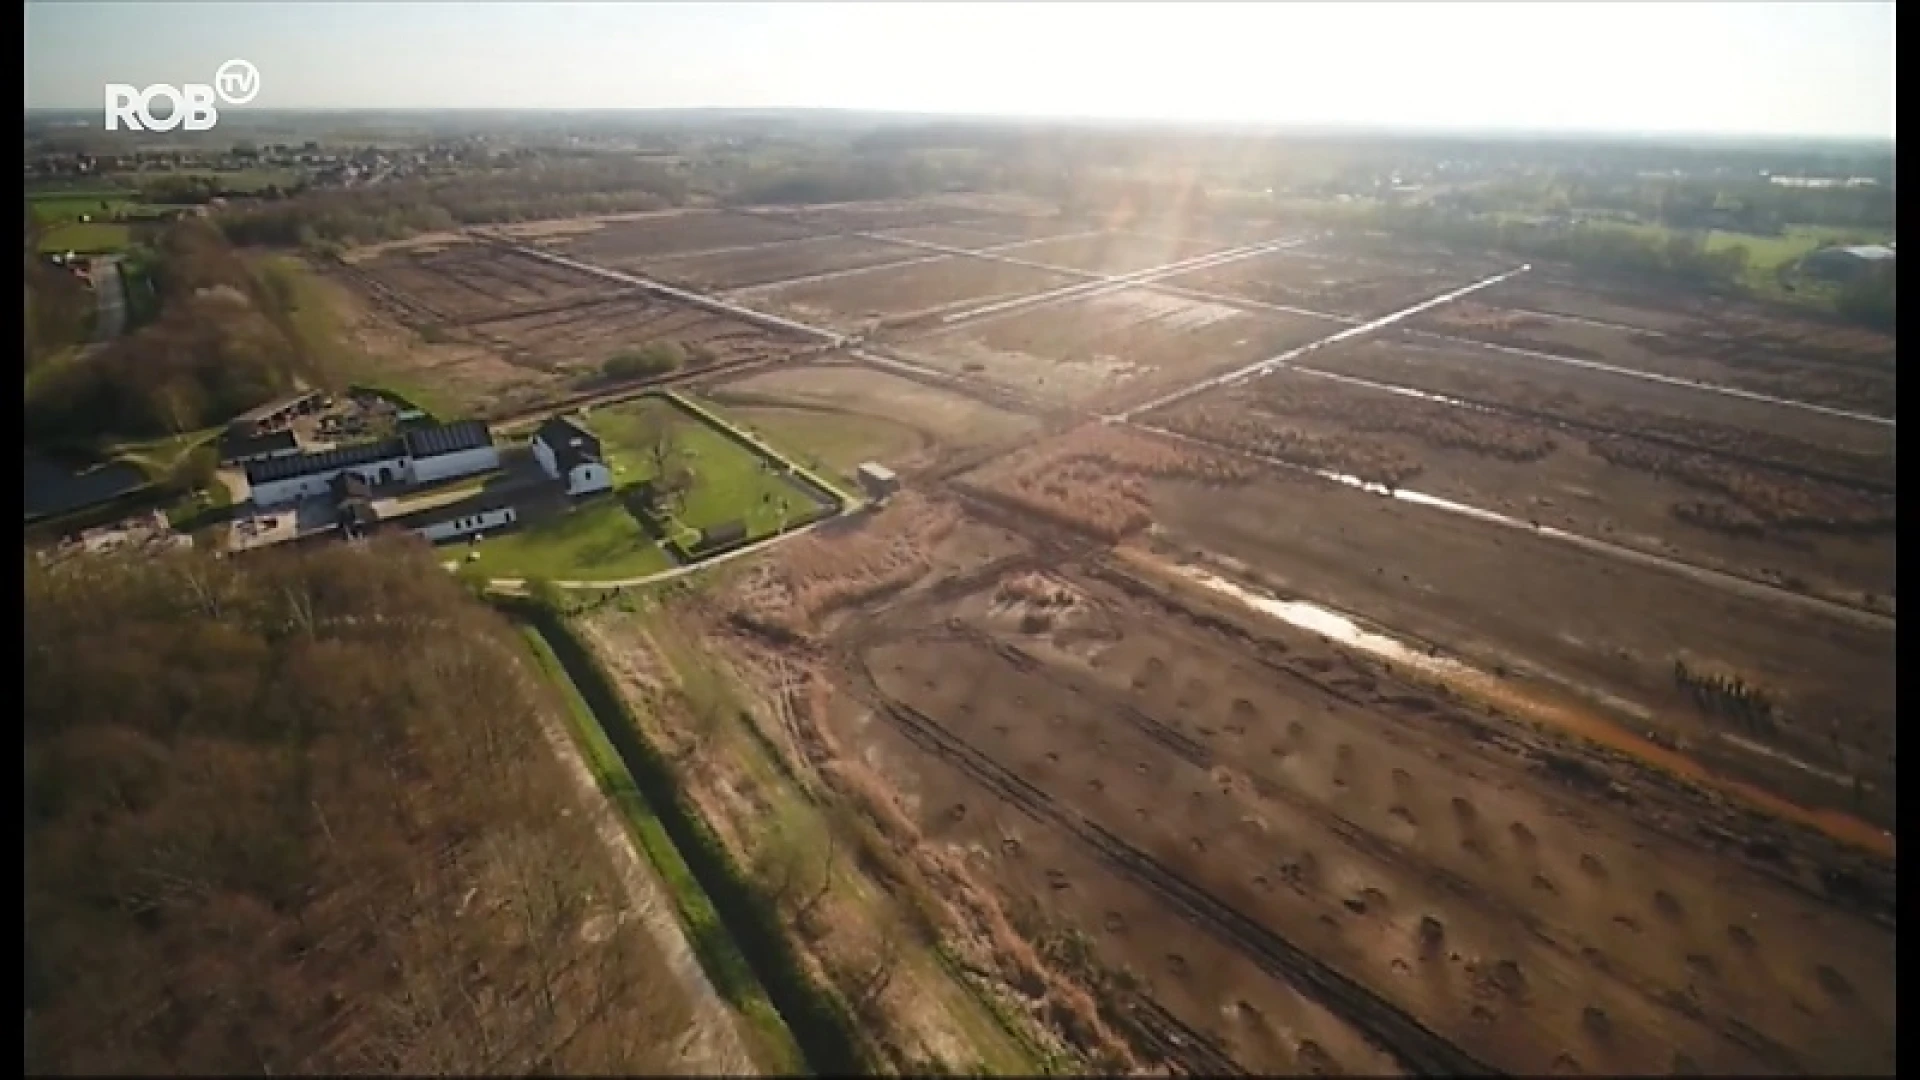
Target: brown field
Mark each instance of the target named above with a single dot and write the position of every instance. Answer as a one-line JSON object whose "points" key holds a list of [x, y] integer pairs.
{"points": [[1599, 810], [656, 235], [976, 233], [1738, 357], [1335, 284], [738, 269], [1117, 252], [1610, 402], [509, 332], [462, 283], [1764, 523], [852, 217], [1114, 346], [907, 293]]}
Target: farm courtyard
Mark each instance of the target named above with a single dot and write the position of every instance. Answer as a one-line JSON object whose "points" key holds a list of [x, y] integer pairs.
{"points": [[1280, 658]]}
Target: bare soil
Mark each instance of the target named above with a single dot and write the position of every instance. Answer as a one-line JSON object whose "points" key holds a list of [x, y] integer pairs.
{"points": [[1775, 526], [1608, 629], [913, 291], [759, 266], [1113, 346], [1229, 818], [1334, 284], [1117, 252], [1607, 401], [1707, 354], [679, 233]]}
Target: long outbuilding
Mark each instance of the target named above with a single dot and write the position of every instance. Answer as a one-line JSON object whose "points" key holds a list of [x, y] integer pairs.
{"points": [[420, 456]]}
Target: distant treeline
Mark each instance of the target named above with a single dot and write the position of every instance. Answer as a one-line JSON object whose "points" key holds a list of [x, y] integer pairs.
{"points": [[345, 217]]}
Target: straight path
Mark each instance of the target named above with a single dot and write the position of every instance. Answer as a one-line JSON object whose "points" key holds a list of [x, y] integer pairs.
{"points": [[1262, 366], [1163, 285], [685, 296], [1115, 283]]}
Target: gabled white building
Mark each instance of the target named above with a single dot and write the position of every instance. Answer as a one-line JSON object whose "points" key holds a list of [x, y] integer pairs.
{"points": [[571, 454], [420, 456]]}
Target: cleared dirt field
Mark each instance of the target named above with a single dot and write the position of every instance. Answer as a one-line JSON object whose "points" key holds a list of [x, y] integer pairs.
{"points": [[1337, 285], [508, 332], [462, 283], [912, 291], [737, 269], [1764, 523], [1227, 817], [619, 240], [1830, 446], [1738, 357], [1116, 252], [1605, 629], [1112, 347], [850, 414], [976, 233]]}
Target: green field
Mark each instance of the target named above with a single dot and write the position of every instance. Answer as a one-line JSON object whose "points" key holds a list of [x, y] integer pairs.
{"points": [[597, 540], [830, 441], [730, 483], [87, 237], [64, 207]]}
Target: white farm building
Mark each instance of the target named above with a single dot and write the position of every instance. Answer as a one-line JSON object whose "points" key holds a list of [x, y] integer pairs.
{"points": [[421, 456], [570, 453]]}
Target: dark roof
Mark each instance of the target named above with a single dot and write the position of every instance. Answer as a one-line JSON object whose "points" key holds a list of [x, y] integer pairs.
{"points": [[278, 405], [238, 443], [292, 465], [447, 438], [723, 533], [559, 431], [433, 515]]}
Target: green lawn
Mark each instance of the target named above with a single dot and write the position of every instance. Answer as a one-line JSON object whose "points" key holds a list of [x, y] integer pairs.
{"points": [[64, 208], [597, 540], [829, 441], [730, 483], [87, 238]]}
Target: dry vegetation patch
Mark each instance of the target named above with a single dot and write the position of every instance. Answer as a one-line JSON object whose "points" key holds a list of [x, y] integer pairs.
{"points": [[1094, 479]]}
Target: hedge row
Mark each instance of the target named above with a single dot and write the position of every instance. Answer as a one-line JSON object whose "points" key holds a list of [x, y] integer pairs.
{"points": [[818, 1019]]}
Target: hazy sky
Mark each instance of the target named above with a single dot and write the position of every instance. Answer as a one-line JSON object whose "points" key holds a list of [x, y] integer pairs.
{"points": [[1776, 68]]}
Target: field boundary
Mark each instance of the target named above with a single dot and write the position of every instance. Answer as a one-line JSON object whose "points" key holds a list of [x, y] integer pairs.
{"points": [[818, 1020]]}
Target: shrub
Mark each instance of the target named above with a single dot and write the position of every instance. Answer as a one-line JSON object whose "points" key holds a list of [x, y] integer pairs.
{"points": [[655, 358]]}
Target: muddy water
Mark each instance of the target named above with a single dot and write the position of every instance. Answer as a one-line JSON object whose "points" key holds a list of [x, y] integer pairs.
{"points": [[1534, 706]]}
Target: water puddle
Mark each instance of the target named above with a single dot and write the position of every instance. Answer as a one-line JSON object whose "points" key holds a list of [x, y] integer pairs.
{"points": [[1767, 751], [1515, 701]]}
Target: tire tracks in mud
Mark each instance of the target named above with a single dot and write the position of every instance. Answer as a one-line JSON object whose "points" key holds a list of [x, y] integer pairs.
{"points": [[1563, 941], [1385, 1024]]}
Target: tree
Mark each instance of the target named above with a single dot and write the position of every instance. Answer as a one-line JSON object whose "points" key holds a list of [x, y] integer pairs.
{"points": [[655, 358]]}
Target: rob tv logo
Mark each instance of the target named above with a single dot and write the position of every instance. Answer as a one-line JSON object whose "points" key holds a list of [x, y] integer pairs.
{"points": [[190, 106]]}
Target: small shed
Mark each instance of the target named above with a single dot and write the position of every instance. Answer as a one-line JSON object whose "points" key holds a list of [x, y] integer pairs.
{"points": [[877, 480]]}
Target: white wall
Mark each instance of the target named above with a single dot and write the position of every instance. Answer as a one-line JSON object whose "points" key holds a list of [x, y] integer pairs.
{"points": [[462, 526], [314, 485], [590, 477], [544, 455], [459, 463]]}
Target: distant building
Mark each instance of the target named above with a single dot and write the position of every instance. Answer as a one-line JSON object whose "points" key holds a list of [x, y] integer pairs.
{"points": [[483, 513], [1846, 263], [877, 480], [572, 454], [424, 455]]}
